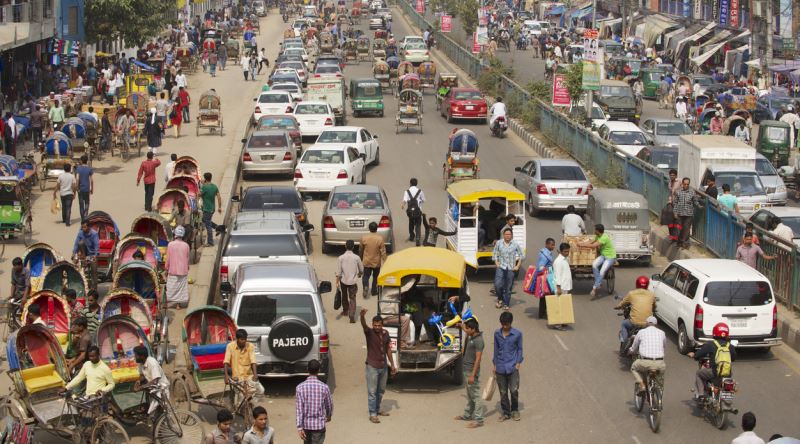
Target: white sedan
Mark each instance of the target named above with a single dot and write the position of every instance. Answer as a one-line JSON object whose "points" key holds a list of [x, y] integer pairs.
{"points": [[355, 136], [272, 102], [292, 88], [314, 117], [297, 51], [321, 169]]}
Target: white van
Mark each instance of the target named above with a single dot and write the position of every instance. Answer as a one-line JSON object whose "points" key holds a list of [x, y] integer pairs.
{"points": [[693, 295]]}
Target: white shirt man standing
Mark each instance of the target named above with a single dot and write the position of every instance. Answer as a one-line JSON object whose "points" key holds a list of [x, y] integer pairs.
{"points": [[572, 224]]}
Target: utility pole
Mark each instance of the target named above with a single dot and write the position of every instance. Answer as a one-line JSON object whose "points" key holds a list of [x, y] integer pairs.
{"points": [[768, 52], [624, 30], [590, 93]]}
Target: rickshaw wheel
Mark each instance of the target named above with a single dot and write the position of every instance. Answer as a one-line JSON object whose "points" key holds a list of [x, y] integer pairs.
{"points": [[2, 246], [181, 396], [27, 230], [189, 428], [108, 430], [123, 152], [42, 178], [610, 280]]}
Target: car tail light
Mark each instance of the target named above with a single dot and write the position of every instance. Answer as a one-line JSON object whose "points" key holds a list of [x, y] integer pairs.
{"points": [[698, 317], [342, 174], [588, 189], [287, 156], [328, 222], [427, 53], [289, 109], [323, 343], [729, 385], [258, 110], [385, 222], [246, 157], [338, 74], [775, 317], [223, 273], [328, 121], [298, 174], [294, 134], [541, 189], [316, 75]]}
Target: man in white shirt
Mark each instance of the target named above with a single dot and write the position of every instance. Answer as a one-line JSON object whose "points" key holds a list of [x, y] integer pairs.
{"points": [[413, 198], [782, 230], [748, 436], [170, 169], [151, 374], [572, 224], [180, 79], [649, 345], [563, 275], [497, 110]]}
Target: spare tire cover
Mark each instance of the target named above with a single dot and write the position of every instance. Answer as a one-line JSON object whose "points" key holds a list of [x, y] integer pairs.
{"points": [[290, 339]]}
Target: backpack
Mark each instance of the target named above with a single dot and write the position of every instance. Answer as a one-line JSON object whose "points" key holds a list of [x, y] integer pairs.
{"points": [[413, 205], [722, 359]]}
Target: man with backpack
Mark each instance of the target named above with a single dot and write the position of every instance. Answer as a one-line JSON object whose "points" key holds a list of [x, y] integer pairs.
{"points": [[720, 353], [413, 198]]}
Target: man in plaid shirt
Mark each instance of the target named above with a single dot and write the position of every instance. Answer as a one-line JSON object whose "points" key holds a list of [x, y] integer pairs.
{"points": [[649, 345], [684, 200], [313, 406]]}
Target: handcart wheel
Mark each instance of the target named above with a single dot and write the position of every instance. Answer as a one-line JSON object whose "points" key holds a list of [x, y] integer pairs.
{"points": [[610, 280], [181, 396], [108, 430]]}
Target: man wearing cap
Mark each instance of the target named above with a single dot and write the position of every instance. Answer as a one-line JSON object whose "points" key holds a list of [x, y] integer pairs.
{"points": [[649, 345], [178, 269]]}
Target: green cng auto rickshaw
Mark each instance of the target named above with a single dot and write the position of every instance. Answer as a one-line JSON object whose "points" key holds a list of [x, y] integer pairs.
{"points": [[651, 77], [366, 96], [774, 141], [15, 210]]}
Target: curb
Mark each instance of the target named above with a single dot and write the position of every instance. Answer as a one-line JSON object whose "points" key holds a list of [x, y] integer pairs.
{"points": [[788, 323], [531, 140]]}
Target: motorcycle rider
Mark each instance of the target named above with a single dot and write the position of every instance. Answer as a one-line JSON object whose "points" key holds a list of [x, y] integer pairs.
{"points": [[498, 109], [713, 351], [643, 304], [649, 345]]}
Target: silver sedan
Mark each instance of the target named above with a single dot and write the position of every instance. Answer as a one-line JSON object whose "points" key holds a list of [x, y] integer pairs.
{"points": [[553, 184], [350, 210]]}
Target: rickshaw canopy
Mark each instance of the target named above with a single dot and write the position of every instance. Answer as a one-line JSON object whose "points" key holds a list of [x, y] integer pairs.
{"points": [[464, 141], [448, 267], [467, 191]]}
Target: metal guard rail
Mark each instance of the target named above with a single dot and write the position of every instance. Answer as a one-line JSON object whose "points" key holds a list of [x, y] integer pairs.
{"points": [[715, 229]]}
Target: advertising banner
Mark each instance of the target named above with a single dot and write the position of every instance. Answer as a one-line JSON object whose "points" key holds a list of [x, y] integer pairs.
{"points": [[476, 48], [724, 12], [420, 6], [560, 91], [590, 44], [483, 35], [734, 13], [591, 76], [447, 23]]}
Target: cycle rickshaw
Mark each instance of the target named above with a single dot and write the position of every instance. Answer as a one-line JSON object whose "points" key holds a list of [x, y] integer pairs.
{"points": [[75, 128], [363, 46], [209, 115], [427, 75], [64, 275], [461, 161], [55, 313], [380, 71], [37, 259], [379, 49], [409, 110], [155, 227], [108, 234], [57, 153]]}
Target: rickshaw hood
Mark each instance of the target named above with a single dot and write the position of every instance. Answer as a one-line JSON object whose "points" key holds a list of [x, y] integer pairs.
{"points": [[446, 266]]}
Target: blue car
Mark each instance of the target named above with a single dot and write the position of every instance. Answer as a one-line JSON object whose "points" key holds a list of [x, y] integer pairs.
{"points": [[769, 105]]}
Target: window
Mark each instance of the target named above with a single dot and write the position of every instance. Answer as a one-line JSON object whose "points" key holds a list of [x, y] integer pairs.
{"points": [[274, 98], [270, 141], [353, 154], [271, 200], [263, 245], [330, 136], [562, 172], [370, 201], [669, 275], [627, 138], [467, 95], [681, 279], [263, 310], [737, 294], [277, 122], [365, 136], [323, 156], [691, 287], [742, 184], [673, 129], [72, 20]]}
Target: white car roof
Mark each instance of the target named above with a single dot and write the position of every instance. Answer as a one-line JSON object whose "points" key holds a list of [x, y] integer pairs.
{"points": [[614, 125], [722, 269], [275, 93], [280, 86], [344, 128], [316, 102]]}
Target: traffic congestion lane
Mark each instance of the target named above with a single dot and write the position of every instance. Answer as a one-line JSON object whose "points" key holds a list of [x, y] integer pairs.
{"points": [[115, 181]]}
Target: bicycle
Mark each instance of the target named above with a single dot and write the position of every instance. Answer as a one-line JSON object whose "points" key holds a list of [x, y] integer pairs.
{"points": [[238, 399], [653, 395], [10, 312], [84, 420]]}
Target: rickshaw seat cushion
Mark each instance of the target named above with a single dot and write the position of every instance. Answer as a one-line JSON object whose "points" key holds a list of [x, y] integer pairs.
{"points": [[63, 338], [208, 349], [125, 374], [106, 244], [210, 362], [41, 378]]}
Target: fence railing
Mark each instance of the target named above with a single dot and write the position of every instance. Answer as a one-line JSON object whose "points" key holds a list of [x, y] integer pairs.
{"points": [[713, 228]]}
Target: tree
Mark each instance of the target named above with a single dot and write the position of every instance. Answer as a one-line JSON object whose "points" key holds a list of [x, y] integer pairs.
{"points": [[468, 11], [133, 21], [574, 79]]}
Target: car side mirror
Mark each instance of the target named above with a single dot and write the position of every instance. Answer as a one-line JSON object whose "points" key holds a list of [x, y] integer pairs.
{"points": [[308, 228], [517, 169], [244, 140], [656, 277], [235, 198], [375, 136], [363, 156], [324, 287]]}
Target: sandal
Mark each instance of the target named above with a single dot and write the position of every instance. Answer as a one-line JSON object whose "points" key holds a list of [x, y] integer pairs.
{"points": [[474, 425], [462, 418], [374, 420], [383, 414]]}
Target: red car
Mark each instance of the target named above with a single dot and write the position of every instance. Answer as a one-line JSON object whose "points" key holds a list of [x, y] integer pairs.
{"points": [[284, 122], [464, 103]]}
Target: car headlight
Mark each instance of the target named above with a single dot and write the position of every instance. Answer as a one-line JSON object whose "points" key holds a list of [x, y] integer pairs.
{"points": [[781, 189]]}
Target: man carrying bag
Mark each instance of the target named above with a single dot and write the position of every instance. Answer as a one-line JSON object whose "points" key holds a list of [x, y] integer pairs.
{"points": [[413, 198]]}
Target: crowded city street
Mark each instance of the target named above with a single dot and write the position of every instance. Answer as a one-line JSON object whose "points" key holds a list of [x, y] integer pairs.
{"points": [[258, 265]]}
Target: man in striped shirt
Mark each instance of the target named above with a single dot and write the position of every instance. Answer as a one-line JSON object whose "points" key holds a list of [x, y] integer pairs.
{"points": [[313, 406]]}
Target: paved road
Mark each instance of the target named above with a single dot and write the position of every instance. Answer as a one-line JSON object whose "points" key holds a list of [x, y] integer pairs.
{"points": [[573, 389]]}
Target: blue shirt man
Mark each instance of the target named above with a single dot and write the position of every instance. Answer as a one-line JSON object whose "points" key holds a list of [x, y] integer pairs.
{"points": [[88, 238], [506, 359], [546, 255]]}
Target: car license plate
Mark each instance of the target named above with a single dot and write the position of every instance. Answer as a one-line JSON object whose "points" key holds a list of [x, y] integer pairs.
{"points": [[319, 175], [469, 107], [738, 323], [726, 395], [311, 122], [565, 192], [267, 156], [356, 224]]}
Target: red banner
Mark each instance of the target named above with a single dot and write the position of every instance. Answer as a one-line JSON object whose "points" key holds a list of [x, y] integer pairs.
{"points": [[734, 5], [560, 91], [476, 48], [447, 23], [420, 6]]}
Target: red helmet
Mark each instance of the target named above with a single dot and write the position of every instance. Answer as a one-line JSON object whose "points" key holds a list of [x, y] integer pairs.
{"points": [[642, 282], [721, 330]]}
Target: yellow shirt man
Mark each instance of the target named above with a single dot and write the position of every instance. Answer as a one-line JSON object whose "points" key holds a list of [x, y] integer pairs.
{"points": [[240, 361], [97, 376]]}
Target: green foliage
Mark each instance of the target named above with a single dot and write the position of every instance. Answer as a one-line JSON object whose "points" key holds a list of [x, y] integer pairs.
{"points": [[575, 81], [448, 6], [133, 21], [468, 11]]}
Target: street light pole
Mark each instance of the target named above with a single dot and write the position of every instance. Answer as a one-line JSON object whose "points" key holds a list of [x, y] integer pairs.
{"points": [[589, 93]]}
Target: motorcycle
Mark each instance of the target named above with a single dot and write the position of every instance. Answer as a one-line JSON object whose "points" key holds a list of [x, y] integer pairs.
{"points": [[285, 17], [499, 127], [718, 399], [625, 346], [522, 43]]}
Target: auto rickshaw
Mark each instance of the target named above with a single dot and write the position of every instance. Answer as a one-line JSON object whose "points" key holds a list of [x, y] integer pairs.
{"points": [[444, 81], [415, 287], [651, 79], [461, 160], [350, 51], [478, 208], [16, 215], [626, 218], [774, 142], [366, 96]]}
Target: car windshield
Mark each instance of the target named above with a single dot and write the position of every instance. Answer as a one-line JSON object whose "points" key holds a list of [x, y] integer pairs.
{"points": [[277, 122], [776, 134], [370, 201], [616, 91], [267, 141], [368, 90], [273, 98], [291, 87], [305, 108], [668, 158], [597, 113], [292, 65], [323, 156], [704, 81], [764, 167], [263, 245], [337, 137], [467, 95], [778, 102], [294, 51], [327, 69], [673, 129], [627, 138], [793, 223], [562, 172], [738, 294], [416, 45], [275, 199], [261, 310], [742, 184], [654, 76]]}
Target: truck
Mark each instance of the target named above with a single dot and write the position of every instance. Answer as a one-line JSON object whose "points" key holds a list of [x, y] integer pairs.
{"points": [[331, 90]]}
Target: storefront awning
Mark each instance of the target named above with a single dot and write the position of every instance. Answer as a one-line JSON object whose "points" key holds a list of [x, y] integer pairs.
{"points": [[558, 10], [679, 55], [795, 76], [702, 58], [785, 67], [582, 13], [144, 66], [608, 24], [670, 35], [654, 26], [691, 30]]}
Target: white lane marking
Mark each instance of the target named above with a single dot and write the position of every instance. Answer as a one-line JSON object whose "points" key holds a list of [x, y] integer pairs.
{"points": [[636, 440], [563, 345], [430, 164]]}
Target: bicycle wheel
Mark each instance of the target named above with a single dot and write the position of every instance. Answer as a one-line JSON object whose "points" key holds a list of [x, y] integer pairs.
{"points": [[638, 398], [188, 428], [109, 431], [180, 395], [654, 417]]}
